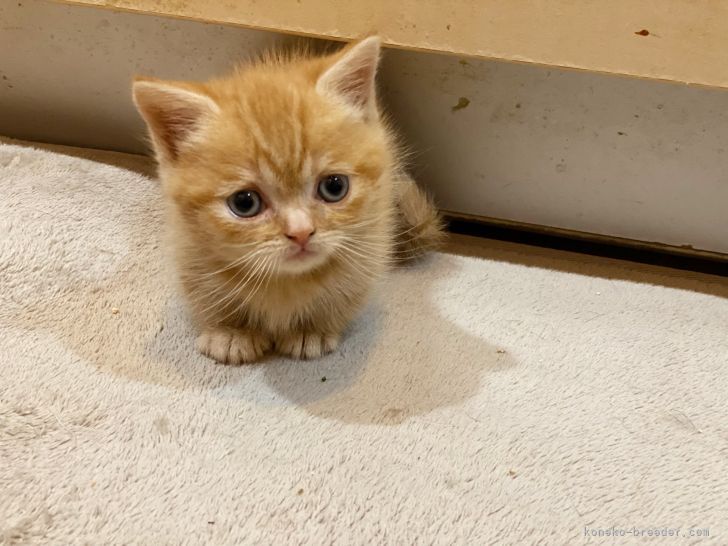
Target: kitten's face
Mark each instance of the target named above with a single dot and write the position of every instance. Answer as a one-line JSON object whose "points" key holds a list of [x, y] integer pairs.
{"points": [[279, 173], [283, 175]]}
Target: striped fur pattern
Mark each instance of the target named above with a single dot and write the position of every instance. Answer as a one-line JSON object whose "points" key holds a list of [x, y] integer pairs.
{"points": [[291, 277]]}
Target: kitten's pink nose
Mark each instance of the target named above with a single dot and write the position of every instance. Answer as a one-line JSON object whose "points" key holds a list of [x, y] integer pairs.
{"points": [[301, 236], [298, 226]]}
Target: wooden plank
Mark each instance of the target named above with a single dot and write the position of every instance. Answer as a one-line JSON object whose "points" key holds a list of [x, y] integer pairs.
{"points": [[670, 40]]}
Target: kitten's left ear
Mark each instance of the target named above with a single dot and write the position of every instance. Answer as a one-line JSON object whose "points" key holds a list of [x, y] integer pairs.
{"points": [[351, 78], [175, 112]]}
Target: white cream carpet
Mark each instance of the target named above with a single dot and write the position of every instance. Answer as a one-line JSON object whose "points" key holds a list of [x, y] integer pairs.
{"points": [[496, 394]]}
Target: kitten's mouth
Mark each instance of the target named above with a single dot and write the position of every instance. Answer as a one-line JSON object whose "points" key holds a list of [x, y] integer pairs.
{"points": [[302, 254], [302, 260]]}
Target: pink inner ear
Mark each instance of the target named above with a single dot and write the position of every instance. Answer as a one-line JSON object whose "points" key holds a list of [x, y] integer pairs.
{"points": [[172, 113], [175, 125], [351, 77], [357, 85]]}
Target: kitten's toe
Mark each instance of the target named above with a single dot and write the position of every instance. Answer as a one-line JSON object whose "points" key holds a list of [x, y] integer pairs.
{"points": [[307, 344], [231, 346]]}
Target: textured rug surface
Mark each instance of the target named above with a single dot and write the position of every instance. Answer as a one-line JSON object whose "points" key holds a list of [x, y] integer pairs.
{"points": [[494, 394]]}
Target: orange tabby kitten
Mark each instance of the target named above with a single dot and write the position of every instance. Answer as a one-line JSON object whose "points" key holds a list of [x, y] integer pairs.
{"points": [[286, 199]]}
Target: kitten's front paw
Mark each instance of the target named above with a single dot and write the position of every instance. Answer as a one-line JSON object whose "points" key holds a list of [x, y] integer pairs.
{"points": [[231, 346], [306, 344]]}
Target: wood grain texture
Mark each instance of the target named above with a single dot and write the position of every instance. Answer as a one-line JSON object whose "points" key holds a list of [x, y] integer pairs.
{"points": [[671, 40]]}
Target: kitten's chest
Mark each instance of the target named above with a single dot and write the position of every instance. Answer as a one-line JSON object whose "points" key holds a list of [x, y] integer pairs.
{"points": [[291, 298], [285, 303]]}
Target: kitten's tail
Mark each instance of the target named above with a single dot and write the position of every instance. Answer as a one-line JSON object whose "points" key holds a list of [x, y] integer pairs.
{"points": [[419, 224]]}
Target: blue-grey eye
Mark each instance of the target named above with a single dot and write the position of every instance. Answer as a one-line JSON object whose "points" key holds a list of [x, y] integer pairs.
{"points": [[245, 203], [333, 188]]}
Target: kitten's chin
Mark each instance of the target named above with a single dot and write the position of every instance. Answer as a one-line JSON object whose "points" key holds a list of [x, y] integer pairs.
{"points": [[303, 262]]}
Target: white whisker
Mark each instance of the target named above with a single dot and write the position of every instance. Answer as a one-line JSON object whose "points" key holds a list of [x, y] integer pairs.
{"points": [[264, 274], [231, 294]]}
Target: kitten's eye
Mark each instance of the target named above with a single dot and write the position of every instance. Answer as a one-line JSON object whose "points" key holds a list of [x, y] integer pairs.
{"points": [[333, 188], [246, 203]]}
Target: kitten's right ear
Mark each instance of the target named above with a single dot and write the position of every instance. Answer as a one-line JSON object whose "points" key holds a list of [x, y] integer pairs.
{"points": [[174, 112], [351, 78]]}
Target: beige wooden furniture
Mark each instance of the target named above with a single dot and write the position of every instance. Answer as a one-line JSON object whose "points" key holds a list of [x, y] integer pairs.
{"points": [[672, 40]]}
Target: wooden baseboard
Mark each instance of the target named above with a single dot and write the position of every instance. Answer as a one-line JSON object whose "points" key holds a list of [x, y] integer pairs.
{"points": [[685, 258]]}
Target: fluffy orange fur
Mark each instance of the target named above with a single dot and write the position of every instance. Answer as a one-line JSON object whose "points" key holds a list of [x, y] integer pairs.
{"points": [[292, 276]]}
